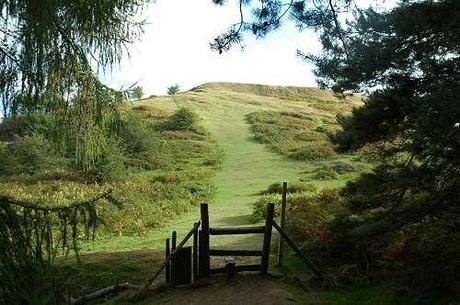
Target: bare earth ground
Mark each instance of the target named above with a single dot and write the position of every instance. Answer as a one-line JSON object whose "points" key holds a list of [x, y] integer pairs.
{"points": [[244, 289]]}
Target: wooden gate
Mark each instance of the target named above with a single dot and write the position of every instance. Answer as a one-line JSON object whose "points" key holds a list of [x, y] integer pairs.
{"points": [[205, 252], [187, 264]]}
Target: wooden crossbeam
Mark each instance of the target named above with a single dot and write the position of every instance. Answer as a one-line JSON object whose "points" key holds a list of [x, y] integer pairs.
{"points": [[240, 230], [215, 252]]}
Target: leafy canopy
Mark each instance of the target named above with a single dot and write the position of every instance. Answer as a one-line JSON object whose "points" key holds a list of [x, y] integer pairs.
{"points": [[50, 52], [173, 89]]}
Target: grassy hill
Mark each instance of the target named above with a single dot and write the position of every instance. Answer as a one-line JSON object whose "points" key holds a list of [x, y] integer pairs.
{"points": [[248, 166]]}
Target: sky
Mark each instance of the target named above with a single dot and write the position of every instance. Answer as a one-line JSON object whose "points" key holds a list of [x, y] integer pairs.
{"points": [[175, 49]]}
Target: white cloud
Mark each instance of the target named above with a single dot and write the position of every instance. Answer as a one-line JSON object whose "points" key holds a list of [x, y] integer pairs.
{"points": [[175, 48]]}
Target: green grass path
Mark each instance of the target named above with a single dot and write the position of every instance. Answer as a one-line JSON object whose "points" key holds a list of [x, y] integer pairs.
{"points": [[248, 167]]}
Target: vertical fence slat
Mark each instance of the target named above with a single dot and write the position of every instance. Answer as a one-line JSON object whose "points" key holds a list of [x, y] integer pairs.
{"points": [[267, 238], [283, 224], [204, 258], [173, 260], [168, 265], [195, 256]]}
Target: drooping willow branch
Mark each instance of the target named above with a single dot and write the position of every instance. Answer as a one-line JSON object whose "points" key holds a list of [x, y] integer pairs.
{"points": [[34, 230], [30, 237]]}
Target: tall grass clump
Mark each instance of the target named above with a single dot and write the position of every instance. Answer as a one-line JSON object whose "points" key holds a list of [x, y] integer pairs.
{"points": [[292, 134]]}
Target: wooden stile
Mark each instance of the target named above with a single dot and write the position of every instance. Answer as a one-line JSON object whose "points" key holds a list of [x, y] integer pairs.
{"points": [[186, 264]]}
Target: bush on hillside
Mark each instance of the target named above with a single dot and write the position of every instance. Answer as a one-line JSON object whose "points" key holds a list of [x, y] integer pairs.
{"points": [[306, 209], [324, 173], [26, 125], [310, 214], [314, 151], [136, 136], [292, 134], [28, 155], [111, 167], [183, 119], [259, 207]]}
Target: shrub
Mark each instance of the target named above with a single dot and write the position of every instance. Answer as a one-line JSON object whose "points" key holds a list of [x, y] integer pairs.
{"points": [[310, 214], [259, 207], [183, 119], [136, 136], [325, 173], [29, 155], [314, 151], [25, 125], [291, 134], [306, 210], [343, 167], [112, 166]]}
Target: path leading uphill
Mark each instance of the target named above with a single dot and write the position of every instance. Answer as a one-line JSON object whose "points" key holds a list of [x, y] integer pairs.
{"points": [[248, 166]]}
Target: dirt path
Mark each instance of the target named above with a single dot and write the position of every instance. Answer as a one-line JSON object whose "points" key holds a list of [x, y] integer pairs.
{"points": [[243, 290]]}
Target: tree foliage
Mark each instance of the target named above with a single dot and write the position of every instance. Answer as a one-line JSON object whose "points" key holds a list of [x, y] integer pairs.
{"points": [[268, 16], [31, 236], [411, 53], [50, 52], [135, 93], [173, 89]]}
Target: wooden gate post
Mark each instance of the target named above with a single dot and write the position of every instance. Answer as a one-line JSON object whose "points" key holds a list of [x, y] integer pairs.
{"points": [[283, 224], [203, 257], [168, 265], [173, 259], [195, 255], [267, 238]]}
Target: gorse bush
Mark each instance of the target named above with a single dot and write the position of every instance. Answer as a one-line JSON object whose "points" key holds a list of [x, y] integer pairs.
{"points": [[259, 207], [314, 151], [273, 194], [310, 214], [137, 137]]}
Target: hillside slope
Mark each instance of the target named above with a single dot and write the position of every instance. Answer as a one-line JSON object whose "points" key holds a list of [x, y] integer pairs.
{"points": [[248, 166]]}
